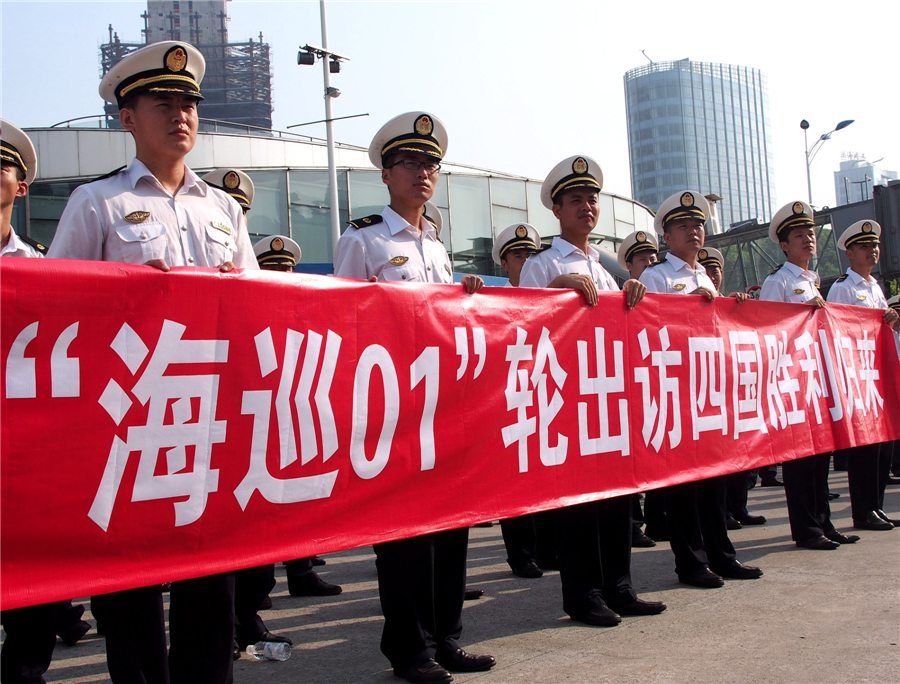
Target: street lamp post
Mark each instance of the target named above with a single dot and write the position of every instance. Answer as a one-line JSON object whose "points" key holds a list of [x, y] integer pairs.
{"points": [[331, 63], [811, 152]]}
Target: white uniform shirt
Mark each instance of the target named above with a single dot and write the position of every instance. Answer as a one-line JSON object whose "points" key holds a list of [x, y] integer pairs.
{"points": [[16, 247], [791, 284], [857, 291], [199, 226], [564, 258], [393, 250], [675, 276]]}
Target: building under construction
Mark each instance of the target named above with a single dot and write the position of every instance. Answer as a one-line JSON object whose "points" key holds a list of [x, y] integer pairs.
{"points": [[237, 86]]}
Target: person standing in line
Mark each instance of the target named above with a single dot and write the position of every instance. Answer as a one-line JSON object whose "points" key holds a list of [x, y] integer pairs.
{"points": [[159, 213], [593, 540], [868, 466], [421, 580], [695, 510]]}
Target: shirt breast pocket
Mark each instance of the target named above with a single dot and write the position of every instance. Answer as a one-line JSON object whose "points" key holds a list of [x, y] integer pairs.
{"points": [[142, 242], [400, 274], [220, 245]]}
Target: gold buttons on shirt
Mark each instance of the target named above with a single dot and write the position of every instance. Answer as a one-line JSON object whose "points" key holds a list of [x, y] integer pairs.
{"points": [[184, 228], [191, 259], [143, 236]]}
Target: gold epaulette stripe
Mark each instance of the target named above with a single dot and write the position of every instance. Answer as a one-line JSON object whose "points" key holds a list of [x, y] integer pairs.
{"points": [[157, 79], [418, 141]]}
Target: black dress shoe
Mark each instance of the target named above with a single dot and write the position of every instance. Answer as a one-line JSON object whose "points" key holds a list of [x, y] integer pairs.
{"points": [[836, 536], [639, 540], [528, 570], [426, 672], [317, 560], [738, 571], [243, 641], [771, 482], [71, 634], [751, 519], [731, 523], [703, 578], [310, 584], [821, 543], [833, 495], [460, 661], [473, 594], [596, 614], [640, 607], [872, 521], [657, 535], [881, 514]]}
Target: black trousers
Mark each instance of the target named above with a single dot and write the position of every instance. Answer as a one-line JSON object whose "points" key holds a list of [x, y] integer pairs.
{"points": [[697, 532], [737, 485], [520, 540], [806, 491], [30, 640], [421, 583], [655, 513], [593, 545], [868, 468], [201, 632], [251, 586]]}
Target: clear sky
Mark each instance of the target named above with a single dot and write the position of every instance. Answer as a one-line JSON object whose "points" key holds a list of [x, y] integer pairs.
{"points": [[520, 85]]}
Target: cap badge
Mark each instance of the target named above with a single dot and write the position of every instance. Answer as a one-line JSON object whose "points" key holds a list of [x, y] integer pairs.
{"points": [[867, 227], [399, 260], [640, 237], [580, 165], [687, 200], [277, 245], [521, 231], [176, 59], [798, 208], [703, 254], [231, 180], [137, 216], [424, 126], [679, 287], [798, 290], [861, 297], [225, 228]]}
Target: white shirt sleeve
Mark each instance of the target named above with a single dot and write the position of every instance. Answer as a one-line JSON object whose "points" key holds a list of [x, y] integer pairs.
{"points": [[772, 289], [350, 256], [654, 279], [79, 234], [840, 294], [534, 274]]}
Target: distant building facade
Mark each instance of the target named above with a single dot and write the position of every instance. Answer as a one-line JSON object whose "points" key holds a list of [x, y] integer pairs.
{"points": [[701, 126], [857, 178], [238, 84]]}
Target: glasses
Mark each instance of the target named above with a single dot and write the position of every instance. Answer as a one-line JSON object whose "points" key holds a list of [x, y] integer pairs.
{"points": [[431, 168]]}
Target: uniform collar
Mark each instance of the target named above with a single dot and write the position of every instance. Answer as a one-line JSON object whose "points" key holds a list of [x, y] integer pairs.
{"points": [[565, 248], [14, 244], [678, 263], [137, 170], [800, 272], [397, 223], [856, 278]]}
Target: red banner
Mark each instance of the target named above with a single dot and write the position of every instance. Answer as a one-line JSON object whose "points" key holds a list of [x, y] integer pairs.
{"points": [[159, 426]]}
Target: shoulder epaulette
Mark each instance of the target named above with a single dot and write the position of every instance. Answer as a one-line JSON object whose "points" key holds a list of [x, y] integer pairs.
{"points": [[34, 243], [777, 268], [366, 221], [657, 263], [107, 175], [842, 278]]}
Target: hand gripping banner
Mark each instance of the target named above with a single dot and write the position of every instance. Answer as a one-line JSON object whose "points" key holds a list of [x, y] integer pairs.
{"points": [[160, 426]]}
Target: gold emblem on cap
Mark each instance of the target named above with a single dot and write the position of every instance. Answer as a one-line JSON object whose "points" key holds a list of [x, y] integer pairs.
{"points": [[424, 126], [861, 297], [703, 254], [137, 216], [679, 287], [798, 208], [798, 290], [224, 227], [521, 231], [867, 227], [231, 180], [399, 260], [687, 200], [580, 165], [640, 237], [176, 60], [277, 244]]}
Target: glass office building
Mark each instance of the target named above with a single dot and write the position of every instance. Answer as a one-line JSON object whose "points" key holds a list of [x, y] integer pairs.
{"points": [[701, 126], [290, 178]]}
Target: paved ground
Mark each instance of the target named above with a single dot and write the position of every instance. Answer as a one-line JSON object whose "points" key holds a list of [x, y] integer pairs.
{"points": [[817, 616]]}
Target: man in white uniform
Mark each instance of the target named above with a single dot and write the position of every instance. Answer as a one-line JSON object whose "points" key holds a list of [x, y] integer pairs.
{"points": [[593, 540], [868, 467], [158, 212], [695, 511], [19, 166], [421, 580]]}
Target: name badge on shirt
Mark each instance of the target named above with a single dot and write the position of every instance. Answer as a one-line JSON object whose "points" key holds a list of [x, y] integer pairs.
{"points": [[137, 216], [861, 298], [222, 226], [399, 260], [679, 287], [798, 290]]}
